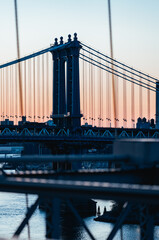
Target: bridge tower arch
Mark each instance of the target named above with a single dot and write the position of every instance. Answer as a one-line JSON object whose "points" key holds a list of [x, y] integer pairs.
{"points": [[66, 90]]}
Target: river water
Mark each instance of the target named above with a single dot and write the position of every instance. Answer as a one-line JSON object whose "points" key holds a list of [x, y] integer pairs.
{"points": [[12, 212]]}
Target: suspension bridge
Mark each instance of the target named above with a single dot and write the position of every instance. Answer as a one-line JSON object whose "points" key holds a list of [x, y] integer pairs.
{"points": [[71, 83], [66, 95], [70, 93]]}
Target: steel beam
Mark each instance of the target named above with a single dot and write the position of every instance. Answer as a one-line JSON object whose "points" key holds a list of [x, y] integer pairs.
{"points": [[29, 213], [86, 189], [67, 158], [52, 217], [146, 222], [74, 211], [125, 211]]}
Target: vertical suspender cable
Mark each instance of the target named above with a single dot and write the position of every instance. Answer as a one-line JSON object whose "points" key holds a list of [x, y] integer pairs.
{"points": [[132, 104], [111, 50], [140, 99], [86, 116], [9, 97], [6, 92], [92, 94], [25, 84], [117, 99], [38, 88], [148, 103], [9, 91], [102, 100], [4, 87], [43, 96], [47, 83], [100, 95], [89, 90], [3, 94], [12, 92], [29, 90], [18, 55], [108, 99], [34, 86], [83, 88], [15, 94], [124, 103]]}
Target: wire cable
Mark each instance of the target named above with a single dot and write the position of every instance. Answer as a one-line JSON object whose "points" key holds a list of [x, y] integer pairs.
{"points": [[119, 75], [96, 62], [112, 66], [131, 72], [148, 104], [114, 60], [18, 55]]}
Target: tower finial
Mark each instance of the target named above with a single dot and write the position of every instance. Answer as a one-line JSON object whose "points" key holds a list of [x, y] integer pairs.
{"points": [[61, 40], [75, 36], [69, 38], [56, 42]]}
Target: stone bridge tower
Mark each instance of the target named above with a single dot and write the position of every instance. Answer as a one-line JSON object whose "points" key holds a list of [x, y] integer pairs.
{"points": [[66, 90]]}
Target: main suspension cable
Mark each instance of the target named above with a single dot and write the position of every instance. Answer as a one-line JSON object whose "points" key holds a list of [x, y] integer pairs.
{"points": [[114, 60], [138, 75], [137, 83], [100, 64]]}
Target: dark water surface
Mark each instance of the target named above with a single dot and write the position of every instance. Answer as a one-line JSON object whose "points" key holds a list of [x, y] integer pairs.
{"points": [[12, 212]]}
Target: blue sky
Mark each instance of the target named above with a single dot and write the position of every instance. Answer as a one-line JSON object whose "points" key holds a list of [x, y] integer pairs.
{"points": [[135, 27]]}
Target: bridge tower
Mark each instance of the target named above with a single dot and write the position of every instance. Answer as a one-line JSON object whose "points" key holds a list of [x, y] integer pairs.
{"points": [[66, 90]]}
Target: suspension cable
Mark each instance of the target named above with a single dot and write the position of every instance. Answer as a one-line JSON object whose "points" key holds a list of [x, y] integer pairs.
{"points": [[18, 55], [132, 104], [138, 75], [112, 66], [120, 75], [148, 104], [145, 84], [140, 100], [114, 60]]}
